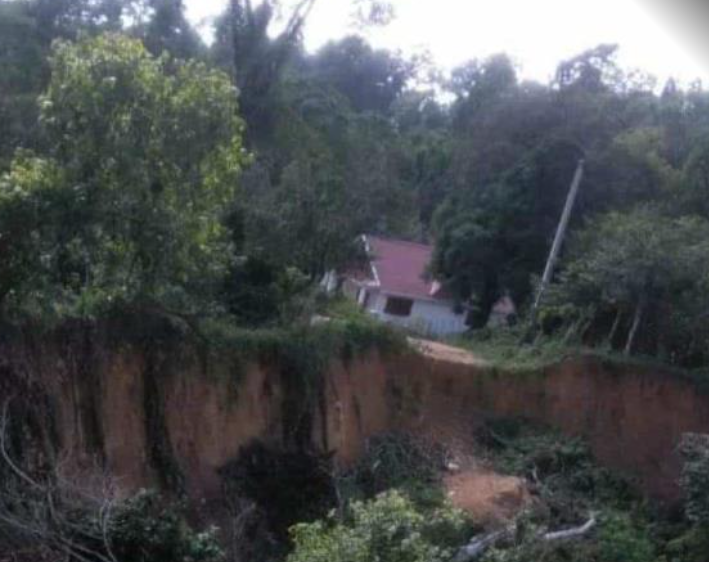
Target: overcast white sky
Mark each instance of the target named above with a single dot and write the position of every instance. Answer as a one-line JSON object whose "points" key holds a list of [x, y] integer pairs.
{"points": [[536, 33]]}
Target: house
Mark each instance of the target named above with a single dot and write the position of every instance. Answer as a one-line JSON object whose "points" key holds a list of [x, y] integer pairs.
{"points": [[394, 285]]}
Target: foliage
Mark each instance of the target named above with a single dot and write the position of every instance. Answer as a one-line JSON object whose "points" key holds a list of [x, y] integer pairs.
{"points": [[256, 59], [389, 528], [695, 477], [690, 546], [168, 30], [620, 540], [642, 266], [492, 239], [142, 164], [562, 470], [504, 348], [287, 487], [145, 529], [396, 461], [349, 139], [569, 487], [370, 79], [258, 293], [50, 515], [333, 175]]}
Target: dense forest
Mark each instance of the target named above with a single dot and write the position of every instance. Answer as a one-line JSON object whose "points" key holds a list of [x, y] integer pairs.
{"points": [[142, 164]]}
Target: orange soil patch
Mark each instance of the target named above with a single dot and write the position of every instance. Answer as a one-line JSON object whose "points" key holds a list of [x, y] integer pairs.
{"points": [[441, 352], [489, 498]]}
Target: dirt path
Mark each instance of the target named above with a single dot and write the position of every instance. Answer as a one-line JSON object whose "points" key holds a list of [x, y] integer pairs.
{"points": [[444, 352]]}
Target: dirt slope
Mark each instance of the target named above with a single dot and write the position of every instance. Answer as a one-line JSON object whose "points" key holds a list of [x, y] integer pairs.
{"points": [[106, 403]]}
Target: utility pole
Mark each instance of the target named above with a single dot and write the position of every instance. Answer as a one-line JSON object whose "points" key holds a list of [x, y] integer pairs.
{"points": [[560, 235]]}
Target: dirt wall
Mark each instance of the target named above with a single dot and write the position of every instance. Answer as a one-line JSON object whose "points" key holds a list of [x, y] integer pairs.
{"points": [[145, 416], [633, 417]]}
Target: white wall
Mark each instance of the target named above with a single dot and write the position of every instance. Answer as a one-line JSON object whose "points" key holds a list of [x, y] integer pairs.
{"points": [[427, 317]]}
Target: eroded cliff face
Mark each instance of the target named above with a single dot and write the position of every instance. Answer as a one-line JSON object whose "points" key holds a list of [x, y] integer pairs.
{"points": [[175, 417], [633, 417]]}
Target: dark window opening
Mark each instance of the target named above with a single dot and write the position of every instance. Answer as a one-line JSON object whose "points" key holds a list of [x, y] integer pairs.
{"points": [[398, 307]]}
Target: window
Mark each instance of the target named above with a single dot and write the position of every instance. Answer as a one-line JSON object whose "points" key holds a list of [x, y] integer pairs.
{"points": [[398, 307]]}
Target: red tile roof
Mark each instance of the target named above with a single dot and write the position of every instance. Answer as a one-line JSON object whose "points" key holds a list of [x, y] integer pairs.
{"points": [[401, 268]]}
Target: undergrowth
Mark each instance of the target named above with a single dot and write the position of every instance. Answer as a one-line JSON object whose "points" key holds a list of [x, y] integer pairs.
{"points": [[507, 350], [568, 488], [396, 461], [561, 471]]}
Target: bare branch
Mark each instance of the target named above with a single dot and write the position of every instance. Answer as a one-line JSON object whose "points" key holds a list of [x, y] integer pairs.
{"points": [[574, 533]]}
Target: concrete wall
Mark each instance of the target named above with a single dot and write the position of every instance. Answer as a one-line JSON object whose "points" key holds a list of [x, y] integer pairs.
{"points": [[428, 318]]}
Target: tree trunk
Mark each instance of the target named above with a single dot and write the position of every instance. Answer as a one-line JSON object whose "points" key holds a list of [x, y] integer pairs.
{"points": [[616, 325], [637, 319]]}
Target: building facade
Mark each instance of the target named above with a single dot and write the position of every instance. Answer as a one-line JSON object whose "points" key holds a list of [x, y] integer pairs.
{"points": [[395, 286]]}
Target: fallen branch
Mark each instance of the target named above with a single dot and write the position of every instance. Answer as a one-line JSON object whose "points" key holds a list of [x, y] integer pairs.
{"points": [[478, 547], [574, 533]]}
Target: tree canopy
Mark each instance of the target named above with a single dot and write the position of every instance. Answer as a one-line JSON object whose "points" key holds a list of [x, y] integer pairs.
{"points": [[144, 158], [127, 167]]}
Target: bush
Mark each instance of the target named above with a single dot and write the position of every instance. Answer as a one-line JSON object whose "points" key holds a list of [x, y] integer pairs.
{"points": [[396, 461], [503, 348], [287, 487], [144, 529], [387, 529], [562, 469], [617, 539], [692, 546], [695, 476], [620, 540]]}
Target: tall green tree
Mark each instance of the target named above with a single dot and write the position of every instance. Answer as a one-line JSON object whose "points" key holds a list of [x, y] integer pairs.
{"points": [[145, 156], [168, 30], [337, 176], [646, 272], [257, 61], [370, 79]]}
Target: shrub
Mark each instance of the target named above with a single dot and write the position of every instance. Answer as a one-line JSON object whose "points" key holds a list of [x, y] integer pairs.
{"points": [[692, 546], [387, 529], [562, 469], [620, 540], [395, 458], [288, 487], [695, 476], [145, 529]]}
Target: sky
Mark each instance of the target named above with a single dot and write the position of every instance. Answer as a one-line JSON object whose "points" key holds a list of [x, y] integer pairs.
{"points": [[537, 34]]}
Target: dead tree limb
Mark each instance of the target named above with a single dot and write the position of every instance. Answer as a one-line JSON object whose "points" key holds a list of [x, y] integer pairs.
{"points": [[479, 546], [575, 533]]}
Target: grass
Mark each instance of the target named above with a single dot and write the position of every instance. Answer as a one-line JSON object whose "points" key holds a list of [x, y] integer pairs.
{"points": [[504, 349]]}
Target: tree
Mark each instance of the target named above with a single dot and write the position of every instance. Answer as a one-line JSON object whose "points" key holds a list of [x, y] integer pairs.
{"points": [[168, 30], [142, 165], [694, 196], [370, 79], [21, 78], [255, 60], [389, 529], [642, 269], [335, 177], [491, 239]]}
